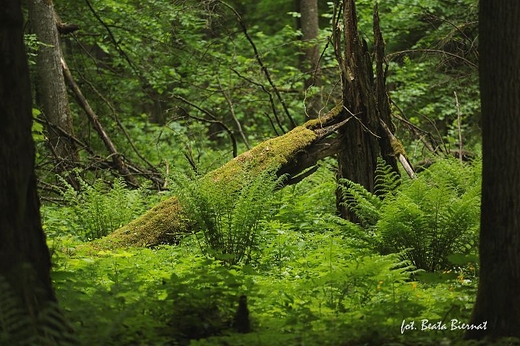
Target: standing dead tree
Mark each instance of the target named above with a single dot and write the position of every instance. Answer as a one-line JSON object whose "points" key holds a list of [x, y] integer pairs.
{"points": [[366, 100], [361, 127]]}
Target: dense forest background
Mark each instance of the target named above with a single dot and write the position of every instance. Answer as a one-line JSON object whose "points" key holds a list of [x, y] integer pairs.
{"points": [[157, 95]]}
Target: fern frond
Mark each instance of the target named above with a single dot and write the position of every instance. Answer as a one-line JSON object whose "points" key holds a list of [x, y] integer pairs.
{"points": [[16, 328], [228, 218], [14, 323], [364, 204], [434, 216], [386, 179]]}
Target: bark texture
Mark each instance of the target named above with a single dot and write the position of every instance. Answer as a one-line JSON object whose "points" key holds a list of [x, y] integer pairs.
{"points": [[24, 256], [498, 298], [366, 101], [310, 30], [51, 86]]}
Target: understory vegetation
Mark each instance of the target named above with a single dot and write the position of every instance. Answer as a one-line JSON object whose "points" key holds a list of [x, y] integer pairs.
{"points": [[310, 277], [178, 89]]}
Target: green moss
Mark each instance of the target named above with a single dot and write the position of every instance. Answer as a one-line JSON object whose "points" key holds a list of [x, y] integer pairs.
{"points": [[321, 121], [164, 223], [397, 147], [271, 153]]}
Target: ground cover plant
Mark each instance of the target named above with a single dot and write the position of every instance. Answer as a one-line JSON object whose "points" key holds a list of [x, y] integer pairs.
{"points": [[314, 278], [171, 91]]}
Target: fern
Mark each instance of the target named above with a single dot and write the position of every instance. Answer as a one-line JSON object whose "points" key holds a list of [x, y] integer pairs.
{"points": [[433, 217], [386, 180], [229, 220], [99, 209], [16, 328], [14, 323], [363, 203], [426, 219]]}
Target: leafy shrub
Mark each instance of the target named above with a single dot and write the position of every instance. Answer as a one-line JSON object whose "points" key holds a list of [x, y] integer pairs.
{"points": [[429, 218], [229, 220]]}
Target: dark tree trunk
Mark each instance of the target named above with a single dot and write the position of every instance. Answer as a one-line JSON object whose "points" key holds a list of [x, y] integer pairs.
{"points": [[366, 101], [498, 298], [24, 256]]}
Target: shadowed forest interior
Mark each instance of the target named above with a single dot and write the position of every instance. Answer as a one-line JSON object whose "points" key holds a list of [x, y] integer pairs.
{"points": [[255, 173]]}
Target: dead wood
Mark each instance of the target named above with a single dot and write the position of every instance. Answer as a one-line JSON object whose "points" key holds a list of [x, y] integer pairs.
{"points": [[293, 153]]}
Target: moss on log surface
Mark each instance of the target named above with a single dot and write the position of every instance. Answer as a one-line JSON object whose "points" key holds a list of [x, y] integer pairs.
{"points": [[166, 223]]}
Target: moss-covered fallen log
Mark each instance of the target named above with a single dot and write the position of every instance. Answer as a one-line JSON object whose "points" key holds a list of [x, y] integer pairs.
{"points": [[290, 154]]}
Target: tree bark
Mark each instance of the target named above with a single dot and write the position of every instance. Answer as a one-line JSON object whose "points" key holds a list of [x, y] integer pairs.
{"points": [[498, 298], [51, 84], [310, 30], [24, 256], [366, 100]]}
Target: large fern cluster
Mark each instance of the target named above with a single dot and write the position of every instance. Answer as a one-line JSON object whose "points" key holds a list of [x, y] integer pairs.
{"points": [[96, 210], [431, 217], [228, 218]]}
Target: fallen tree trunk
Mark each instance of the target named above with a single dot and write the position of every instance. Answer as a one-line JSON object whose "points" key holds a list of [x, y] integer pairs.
{"points": [[292, 154]]}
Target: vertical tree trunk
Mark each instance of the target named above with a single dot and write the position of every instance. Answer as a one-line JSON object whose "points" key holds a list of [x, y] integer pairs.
{"points": [[24, 256], [310, 30], [51, 84], [366, 101], [498, 298]]}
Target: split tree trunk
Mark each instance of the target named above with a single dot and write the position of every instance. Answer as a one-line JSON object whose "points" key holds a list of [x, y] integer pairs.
{"points": [[363, 121], [366, 101]]}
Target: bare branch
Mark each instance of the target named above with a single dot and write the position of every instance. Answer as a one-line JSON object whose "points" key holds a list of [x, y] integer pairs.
{"points": [[260, 62], [432, 51]]}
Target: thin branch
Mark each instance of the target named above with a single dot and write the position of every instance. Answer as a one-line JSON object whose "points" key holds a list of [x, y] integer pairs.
{"points": [[271, 100], [116, 157], [446, 151], [433, 51], [120, 50], [260, 62], [398, 150], [213, 120], [417, 131], [122, 128], [65, 134], [233, 115], [361, 123]]}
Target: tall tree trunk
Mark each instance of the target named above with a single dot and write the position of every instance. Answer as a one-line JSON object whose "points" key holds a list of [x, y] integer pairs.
{"points": [[51, 84], [309, 22], [366, 101], [498, 298], [24, 256]]}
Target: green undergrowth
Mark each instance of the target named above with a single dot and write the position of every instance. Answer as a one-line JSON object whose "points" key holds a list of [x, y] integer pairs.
{"points": [[314, 279], [174, 294]]}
